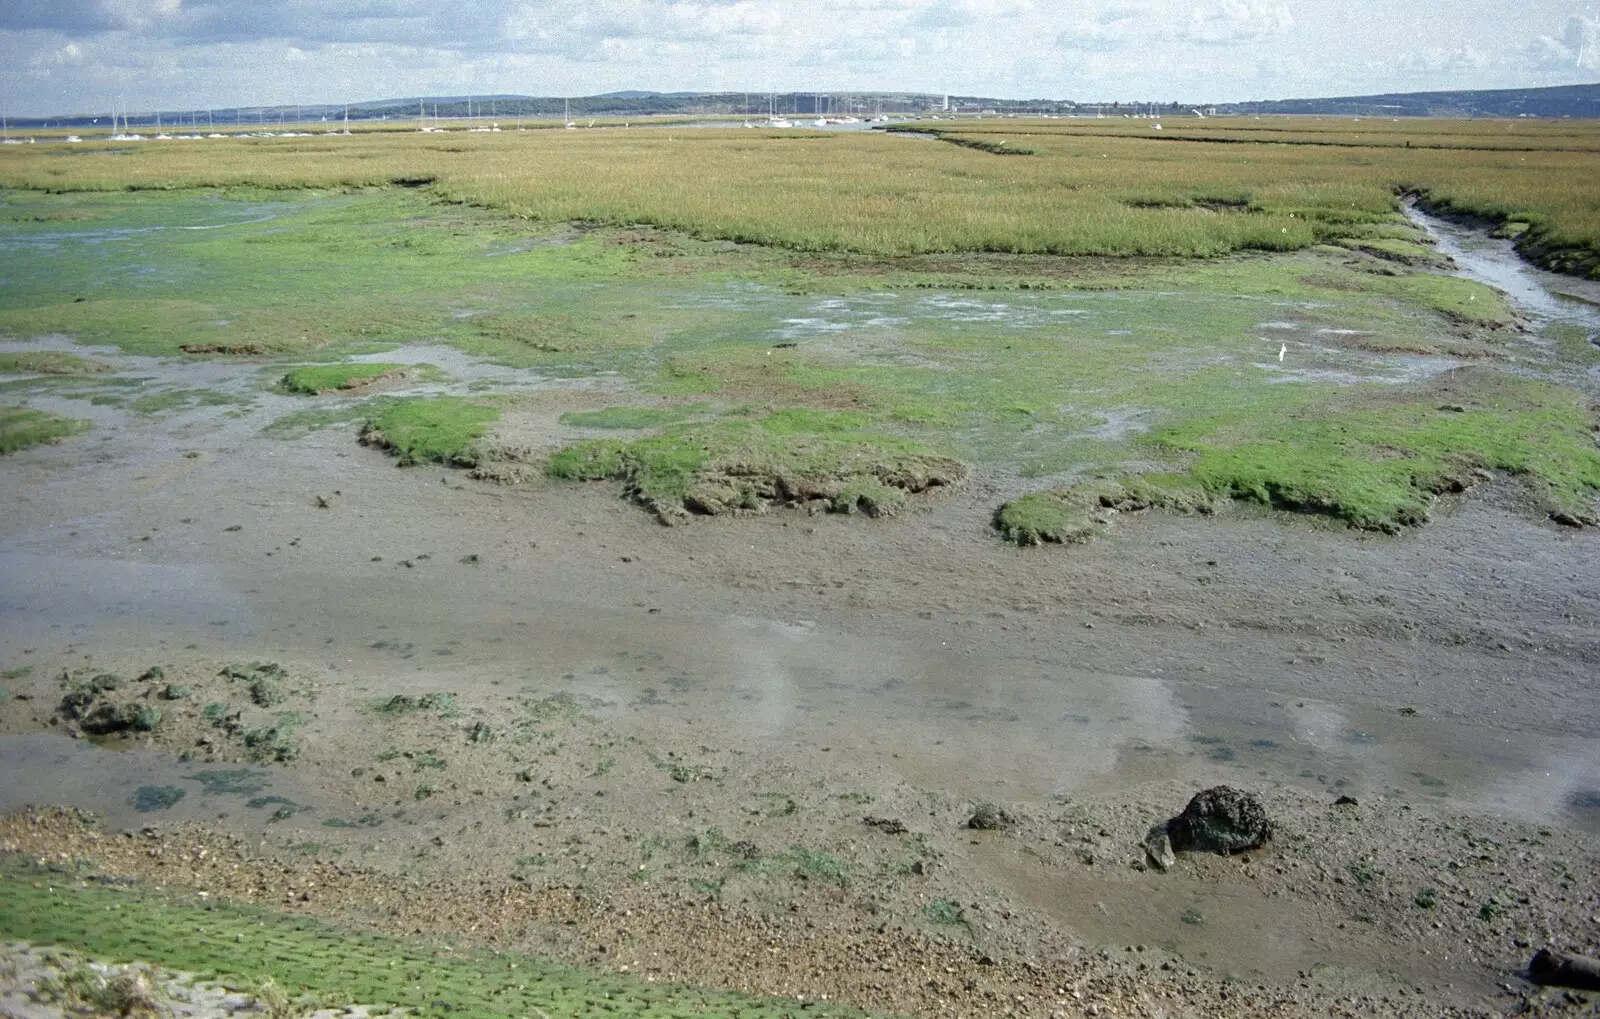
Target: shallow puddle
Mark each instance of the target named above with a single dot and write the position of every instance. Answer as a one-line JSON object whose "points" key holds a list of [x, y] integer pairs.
{"points": [[132, 787], [1065, 730]]}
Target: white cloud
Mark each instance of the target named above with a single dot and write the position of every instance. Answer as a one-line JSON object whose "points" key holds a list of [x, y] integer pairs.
{"points": [[1435, 63], [1577, 48], [1239, 22], [223, 52], [1136, 26]]}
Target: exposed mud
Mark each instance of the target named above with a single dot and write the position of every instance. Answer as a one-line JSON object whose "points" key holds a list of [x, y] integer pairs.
{"points": [[1170, 655]]}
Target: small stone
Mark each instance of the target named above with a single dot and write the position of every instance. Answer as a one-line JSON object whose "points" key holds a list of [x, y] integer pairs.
{"points": [[989, 817], [1158, 847]]}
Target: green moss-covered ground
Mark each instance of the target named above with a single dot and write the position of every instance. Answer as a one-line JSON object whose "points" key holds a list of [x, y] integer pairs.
{"points": [[312, 379], [1380, 466], [310, 959], [1377, 466], [21, 427]]}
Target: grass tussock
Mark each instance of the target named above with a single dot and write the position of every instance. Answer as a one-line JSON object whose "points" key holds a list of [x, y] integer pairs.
{"points": [[442, 430], [314, 380]]}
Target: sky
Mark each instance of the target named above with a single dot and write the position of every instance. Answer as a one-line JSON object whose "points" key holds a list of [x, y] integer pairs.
{"points": [[79, 56]]}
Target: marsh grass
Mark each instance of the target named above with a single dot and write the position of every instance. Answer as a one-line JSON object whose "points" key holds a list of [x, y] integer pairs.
{"points": [[1376, 461], [1084, 511], [1087, 190], [945, 912], [856, 421], [631, 418], [304, 422]]}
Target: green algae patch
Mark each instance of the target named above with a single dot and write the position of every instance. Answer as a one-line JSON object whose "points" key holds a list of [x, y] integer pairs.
{"points": [[310, 960], [630, 418], [443, 430], [49, 362], [178, 400], [304, 422], [1394, 249], [1379, 467], [818, 459], [316, 379], [21, 427], [1461, 300], [1082, 512]]}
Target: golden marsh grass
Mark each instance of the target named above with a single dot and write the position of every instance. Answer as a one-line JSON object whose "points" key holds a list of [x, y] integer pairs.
{"points": [[1093, 187]]}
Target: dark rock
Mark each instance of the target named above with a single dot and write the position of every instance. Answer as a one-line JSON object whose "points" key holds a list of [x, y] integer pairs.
{"points": [[989, 817], [1220, 820], [1346, 801], [1555, 969], [887, 825]]}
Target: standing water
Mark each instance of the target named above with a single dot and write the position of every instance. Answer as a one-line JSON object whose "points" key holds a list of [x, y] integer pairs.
{"points": [[1547, 297]]}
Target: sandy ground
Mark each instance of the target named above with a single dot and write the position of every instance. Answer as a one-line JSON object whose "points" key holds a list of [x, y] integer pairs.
{"points": [[673, 736]]}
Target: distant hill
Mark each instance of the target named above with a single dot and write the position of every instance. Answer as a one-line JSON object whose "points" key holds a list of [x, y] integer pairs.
{"points": [[626, 103], [1559, 101]]}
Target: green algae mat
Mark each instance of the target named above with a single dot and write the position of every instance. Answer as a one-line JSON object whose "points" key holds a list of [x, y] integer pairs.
{"points": [[304, 956]]}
